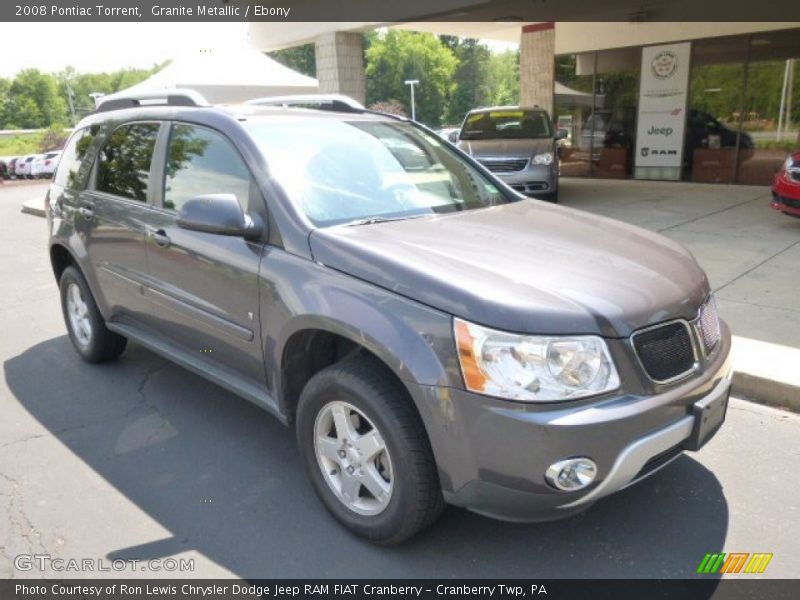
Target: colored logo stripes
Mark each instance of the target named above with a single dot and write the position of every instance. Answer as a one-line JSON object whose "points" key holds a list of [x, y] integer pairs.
{"points": [[734, 562]]}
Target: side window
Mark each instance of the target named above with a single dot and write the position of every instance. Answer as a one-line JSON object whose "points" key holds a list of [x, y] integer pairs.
{"points": [[202, 161], [123, 166], [76, 154]]}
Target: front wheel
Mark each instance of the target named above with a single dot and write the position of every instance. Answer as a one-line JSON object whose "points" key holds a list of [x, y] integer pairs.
{"points": [[366, 452]]}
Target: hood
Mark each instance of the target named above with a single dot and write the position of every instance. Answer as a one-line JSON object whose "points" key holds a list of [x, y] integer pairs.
{"points": [[506, 148], [528, 267]]}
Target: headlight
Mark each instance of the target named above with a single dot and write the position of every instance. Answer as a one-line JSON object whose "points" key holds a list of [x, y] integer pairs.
{"points": [[533, 368], [545, 158]]}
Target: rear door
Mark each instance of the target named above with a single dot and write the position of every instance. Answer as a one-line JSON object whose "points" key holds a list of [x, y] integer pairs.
{"points": [[205, 286], [110, 216]]}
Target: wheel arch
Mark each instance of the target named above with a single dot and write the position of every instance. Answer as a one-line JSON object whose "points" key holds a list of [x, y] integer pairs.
{"points": [[314, 343]]}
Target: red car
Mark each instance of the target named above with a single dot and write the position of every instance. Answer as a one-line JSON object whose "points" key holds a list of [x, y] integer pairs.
{"points": [[786, 187]]}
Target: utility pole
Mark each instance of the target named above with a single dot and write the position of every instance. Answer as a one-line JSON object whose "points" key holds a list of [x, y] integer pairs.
{"points": [[70, 99], [412, 83]]}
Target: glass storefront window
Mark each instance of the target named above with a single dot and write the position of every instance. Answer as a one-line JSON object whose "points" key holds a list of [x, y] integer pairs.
{"points": [[573, 100], [769, 114], [716, 83], [614, 120], [742, 113]]}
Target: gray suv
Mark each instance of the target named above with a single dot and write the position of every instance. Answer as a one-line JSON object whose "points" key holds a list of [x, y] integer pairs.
{"points": [[517, 144], [431, 335]]}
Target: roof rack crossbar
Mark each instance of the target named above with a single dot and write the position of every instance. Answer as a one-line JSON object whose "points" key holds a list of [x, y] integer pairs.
{"points": [[334, 102], [174, 97]]}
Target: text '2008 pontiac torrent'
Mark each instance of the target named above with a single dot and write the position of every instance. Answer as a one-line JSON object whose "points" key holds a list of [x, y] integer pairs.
{"points": [[432, 336]]}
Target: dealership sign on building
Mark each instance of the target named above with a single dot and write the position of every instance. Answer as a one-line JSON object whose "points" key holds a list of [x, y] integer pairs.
{"points": [[662, 111]]}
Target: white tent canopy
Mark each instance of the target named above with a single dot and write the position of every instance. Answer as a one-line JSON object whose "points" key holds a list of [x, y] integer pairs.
{"points": [[225, 76]]}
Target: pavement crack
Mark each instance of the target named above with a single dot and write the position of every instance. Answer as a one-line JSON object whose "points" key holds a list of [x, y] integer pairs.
{"points": [[19, 519], [22, 440], [142, 389], [750, 270], [711, 214]]}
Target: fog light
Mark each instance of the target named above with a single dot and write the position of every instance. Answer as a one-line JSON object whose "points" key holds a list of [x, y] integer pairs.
{"points": [[571, 474]]}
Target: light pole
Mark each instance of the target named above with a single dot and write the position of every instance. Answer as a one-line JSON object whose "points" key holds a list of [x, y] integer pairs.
{"points": [[412, 83]]}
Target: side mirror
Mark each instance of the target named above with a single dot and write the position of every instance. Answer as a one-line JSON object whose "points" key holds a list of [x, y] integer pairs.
{"points": [[562, 134], [220, 214], [452, 137]]}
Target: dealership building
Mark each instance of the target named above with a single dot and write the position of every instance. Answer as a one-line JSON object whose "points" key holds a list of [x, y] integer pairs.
{"points": [[715, 102]]}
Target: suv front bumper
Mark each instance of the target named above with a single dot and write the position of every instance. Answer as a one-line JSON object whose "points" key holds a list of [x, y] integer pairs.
{"points": [[492, 454]]}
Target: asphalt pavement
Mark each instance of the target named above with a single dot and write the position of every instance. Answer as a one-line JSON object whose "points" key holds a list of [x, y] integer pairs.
{"points": [[140, 459]]}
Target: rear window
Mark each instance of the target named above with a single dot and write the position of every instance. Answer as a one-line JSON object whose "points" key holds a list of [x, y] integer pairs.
{"points": [[507, 124], [123, 166], [76, 158]]}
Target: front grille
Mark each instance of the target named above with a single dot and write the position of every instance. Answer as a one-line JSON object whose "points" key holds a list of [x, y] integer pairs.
{"points": [[708, 326], [665, 351], [509, 165]]}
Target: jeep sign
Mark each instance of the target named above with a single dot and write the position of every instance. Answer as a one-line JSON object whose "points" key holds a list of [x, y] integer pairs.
{"points": [[662, 111]]}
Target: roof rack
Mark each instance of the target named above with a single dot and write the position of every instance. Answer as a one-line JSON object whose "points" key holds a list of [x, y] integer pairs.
{"points": [[173, 97], [335, 102]]}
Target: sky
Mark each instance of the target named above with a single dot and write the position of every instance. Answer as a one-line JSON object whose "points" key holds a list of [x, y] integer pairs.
{"points": [[98, 47]]}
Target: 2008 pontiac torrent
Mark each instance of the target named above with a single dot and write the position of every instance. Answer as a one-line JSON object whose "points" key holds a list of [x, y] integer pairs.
{"points": [[432, 336]]}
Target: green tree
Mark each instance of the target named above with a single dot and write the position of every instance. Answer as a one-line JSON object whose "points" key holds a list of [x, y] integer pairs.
{"points": [[302, 59], [503, 78], [35, 100], [472, 87], [395, 56]]}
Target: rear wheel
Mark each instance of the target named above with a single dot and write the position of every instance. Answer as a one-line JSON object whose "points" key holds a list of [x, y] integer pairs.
{"points": [[366, 452], [86, 327]]}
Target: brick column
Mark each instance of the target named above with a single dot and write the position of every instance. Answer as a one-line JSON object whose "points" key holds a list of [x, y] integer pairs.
{"points": [[340, 64], [537, 65]]}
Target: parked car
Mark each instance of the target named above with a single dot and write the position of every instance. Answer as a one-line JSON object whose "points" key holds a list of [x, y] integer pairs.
{"points": [[450, 134], [44, 165], [786, 186], [705, 131], [23, 166], [11, 166], [517, 144], [432, 336]]}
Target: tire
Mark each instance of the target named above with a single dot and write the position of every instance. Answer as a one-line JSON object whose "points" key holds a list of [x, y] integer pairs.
{"points": [[87, 330], [414, 499], [550, 197]]}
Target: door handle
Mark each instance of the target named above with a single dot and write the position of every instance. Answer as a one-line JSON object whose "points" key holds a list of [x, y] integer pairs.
{"points": [[86, 212], [160, 237]]}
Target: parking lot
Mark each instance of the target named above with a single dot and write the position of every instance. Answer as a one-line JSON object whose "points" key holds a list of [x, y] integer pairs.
{"points": [[140, 459]]}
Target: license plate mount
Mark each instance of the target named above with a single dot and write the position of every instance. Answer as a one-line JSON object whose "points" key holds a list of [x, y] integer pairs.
{"points": [[709, 415]]}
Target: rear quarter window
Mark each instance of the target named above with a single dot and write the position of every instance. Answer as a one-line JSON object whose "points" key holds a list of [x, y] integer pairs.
{"points": [[76, 159]]}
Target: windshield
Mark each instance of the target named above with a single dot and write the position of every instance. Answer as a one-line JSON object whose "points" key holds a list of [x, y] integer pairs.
{"points": [[365, 171], [506, 125]]}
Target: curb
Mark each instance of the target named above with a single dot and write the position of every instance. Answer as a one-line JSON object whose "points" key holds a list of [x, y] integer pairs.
{"points": [[34, 207], [768, 392]]}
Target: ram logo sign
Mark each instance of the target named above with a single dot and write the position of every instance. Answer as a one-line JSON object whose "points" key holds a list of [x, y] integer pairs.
{"points": [[734, 562]]}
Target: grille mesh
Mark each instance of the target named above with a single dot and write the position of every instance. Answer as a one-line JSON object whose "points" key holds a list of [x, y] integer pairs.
{"points": [[504, 166], [666, 351], [708, 326]]}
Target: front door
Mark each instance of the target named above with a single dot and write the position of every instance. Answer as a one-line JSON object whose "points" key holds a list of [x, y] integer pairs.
{"points": [[204, 286]]}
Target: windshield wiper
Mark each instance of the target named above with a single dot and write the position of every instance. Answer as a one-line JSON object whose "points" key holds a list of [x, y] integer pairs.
{"points": [[378, 219]]}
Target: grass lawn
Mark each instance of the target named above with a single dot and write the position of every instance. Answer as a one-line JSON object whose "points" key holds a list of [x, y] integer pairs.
{"points": [[20, 144]]}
